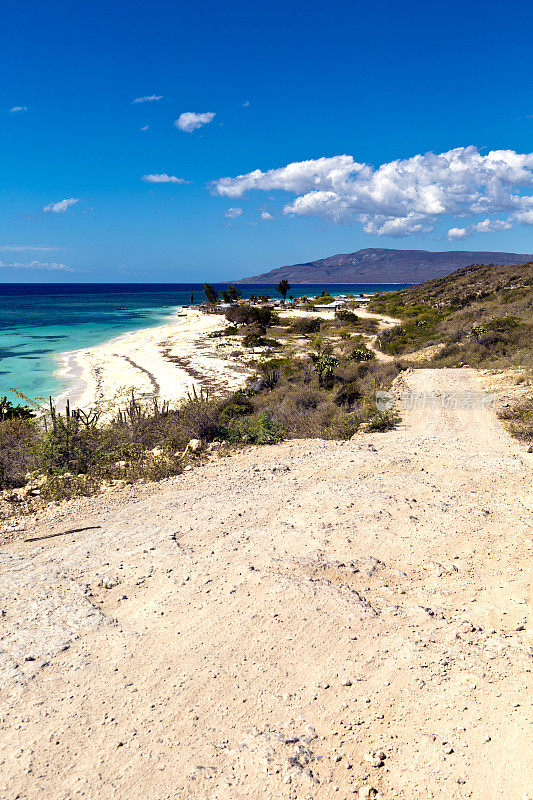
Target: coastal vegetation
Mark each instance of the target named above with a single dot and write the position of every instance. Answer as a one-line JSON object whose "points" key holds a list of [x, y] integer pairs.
{"points": [[313, 376]]}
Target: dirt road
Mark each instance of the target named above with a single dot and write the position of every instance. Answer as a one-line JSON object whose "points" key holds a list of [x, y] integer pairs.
{"points": [[262, 626]]}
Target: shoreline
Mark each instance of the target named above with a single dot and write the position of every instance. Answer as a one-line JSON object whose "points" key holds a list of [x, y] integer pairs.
{"points": [[163, 361]]}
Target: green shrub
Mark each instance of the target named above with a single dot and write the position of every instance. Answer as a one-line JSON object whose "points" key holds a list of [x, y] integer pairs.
{"points": [[9, 411], [237, 406], [362, 354], [324, 365], [409, 336], [356, 323], [71, 447], [258, 429], [247, 315], [306, 325], [383, 421], [501, 324], [348, 394], [229, 330]]}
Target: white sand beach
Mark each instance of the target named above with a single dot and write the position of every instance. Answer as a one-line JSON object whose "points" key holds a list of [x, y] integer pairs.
{"points": [[165, 361]]}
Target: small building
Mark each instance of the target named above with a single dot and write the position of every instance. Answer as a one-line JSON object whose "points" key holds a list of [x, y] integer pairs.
{"points": [[334, 306], [215, 308]]}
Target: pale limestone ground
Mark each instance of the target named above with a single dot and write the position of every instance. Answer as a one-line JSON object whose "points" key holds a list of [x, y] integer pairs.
{"points": [[274, 617]]}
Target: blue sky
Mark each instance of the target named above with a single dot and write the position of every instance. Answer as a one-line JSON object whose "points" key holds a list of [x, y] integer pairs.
{"points": [[383, 84]]}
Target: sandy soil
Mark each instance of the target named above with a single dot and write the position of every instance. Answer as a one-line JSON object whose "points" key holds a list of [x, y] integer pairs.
{"points": [[259, 626], [164, 361]]}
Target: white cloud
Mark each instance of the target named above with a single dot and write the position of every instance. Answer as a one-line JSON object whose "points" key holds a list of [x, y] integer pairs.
{"points": [[233, 213], [18, 248], [189, 121], [266, 215], [524, 218], [402, 197], [485, 226], [145, 127], [246, 104], [163, 178], [62, 205], [151, 98], [455, 234], [492, 225], [41, 265], [18, 109]]}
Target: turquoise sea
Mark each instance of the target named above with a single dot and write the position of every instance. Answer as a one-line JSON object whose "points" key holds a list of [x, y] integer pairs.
{"points": [[39, 321]]}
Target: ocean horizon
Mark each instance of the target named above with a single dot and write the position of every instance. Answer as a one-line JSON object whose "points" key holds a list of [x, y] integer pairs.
{"points": [[39, 322]]}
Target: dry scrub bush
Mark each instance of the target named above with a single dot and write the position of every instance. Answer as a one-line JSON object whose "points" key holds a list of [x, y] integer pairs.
{"points": [[18, 446], [519, 419]]}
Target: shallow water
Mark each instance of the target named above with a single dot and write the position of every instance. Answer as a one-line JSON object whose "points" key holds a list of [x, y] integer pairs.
{"points": [[39, 321]]}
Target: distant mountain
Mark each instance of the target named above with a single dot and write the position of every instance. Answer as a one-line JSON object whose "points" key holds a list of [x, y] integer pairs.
{"points": [[381, 265]]}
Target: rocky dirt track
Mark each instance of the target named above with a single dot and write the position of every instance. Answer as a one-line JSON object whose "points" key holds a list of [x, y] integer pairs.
{"points": [[310, 620]]}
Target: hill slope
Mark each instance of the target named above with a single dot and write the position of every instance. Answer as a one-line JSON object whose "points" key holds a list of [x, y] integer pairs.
{"points": [[381, 265], [480, 315]]}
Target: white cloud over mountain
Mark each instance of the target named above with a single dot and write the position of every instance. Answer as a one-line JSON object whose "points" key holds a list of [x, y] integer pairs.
{"points": [[406, 196], [163, 178], [62, 205], [189, 121]]}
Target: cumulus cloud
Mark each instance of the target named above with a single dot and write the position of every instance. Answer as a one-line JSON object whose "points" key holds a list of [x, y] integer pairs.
{"points": [[18, 109], [485, 226], [189, 121], [145, 127], [233, 213], [403, 197], [266, 215], [491, 225], [150, 98], [62, 205], [525, 218], [163, 178], [41, 265], [455, 234]]}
